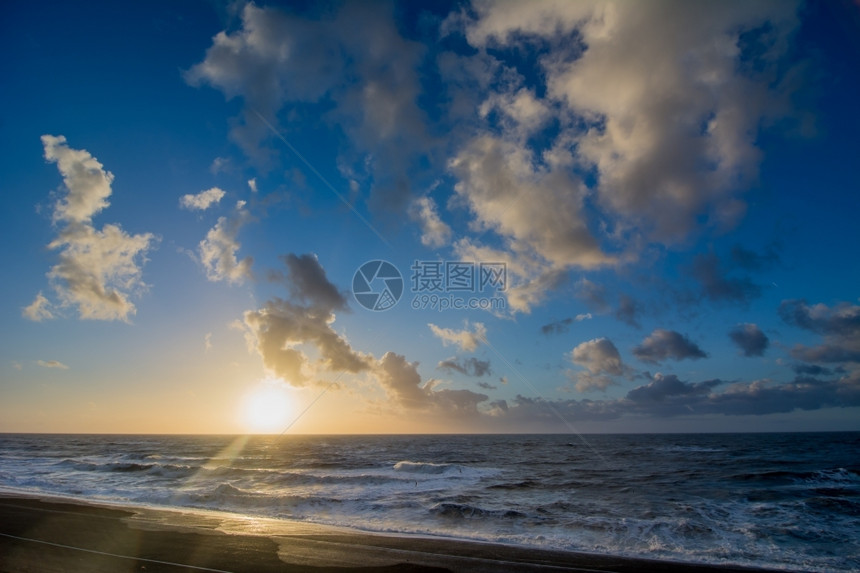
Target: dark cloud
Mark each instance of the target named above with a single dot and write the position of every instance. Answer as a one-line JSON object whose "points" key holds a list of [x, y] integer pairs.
{"points": [[816, 370], [486, 386], [750, 339], [662, 344], [664, 388], [557, 327], [562, 326], [717, 286], [839, 325], [752, 261], [308, 283], [466, 366], [667, 396], [628, 311]]}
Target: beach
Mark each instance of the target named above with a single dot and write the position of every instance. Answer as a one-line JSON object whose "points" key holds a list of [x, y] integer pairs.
{"points": [[52, 534]]}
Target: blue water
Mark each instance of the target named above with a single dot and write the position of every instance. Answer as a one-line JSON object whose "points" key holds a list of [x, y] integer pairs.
{"points": [[789, 501]]}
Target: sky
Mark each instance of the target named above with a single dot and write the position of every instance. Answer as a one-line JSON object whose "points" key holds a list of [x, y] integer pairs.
{"points": [[372, 217]]}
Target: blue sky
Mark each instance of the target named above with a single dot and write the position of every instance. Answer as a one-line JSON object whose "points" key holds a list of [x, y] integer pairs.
{"points": [[190, 188]]}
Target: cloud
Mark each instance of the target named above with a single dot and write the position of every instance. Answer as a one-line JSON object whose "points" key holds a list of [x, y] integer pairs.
{"points": [[752, 261], [668, 396], [207, 342], [202, 200], [87, 184], [668, 388], [352, 59], [593, 294], [281, 329], [839, 325], [750, 339], [39, 309], [434, 231], [52, 364], [663, 344], [402, 382], [671, 97], [563, 325], [308, 283], [487, 386], [465, 339], [218, 249], [467, 366], [717, 286], [628, 311], [98, 270], [601, 359], [537, 209]]}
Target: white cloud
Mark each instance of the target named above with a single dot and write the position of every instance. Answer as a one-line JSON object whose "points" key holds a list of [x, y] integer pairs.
{"points": [[87, 184], [202, 200], [467, 340], [434, 231], [52, 364], [252, 184], [98, 270], [671, 112], [218, 249], [39, 309], [539, 209]]}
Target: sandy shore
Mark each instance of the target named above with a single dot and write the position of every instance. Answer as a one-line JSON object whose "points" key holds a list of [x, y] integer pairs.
{"points": [[48, 535]]}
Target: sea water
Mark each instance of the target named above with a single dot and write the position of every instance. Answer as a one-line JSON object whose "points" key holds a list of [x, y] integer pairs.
{"points": [[788, 501]]}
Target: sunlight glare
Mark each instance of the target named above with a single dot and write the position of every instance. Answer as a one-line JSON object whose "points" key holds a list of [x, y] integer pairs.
{"points": [[267, 408]]}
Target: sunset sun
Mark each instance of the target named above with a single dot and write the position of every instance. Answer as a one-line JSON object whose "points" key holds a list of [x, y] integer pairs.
{"points": [[266, 408]]}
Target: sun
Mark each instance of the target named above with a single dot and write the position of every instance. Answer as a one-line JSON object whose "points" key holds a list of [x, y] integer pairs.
{"points": [[267, 408]]}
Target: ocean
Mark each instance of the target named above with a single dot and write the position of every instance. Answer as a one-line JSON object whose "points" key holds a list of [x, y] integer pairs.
{"points": [[789, 501]]}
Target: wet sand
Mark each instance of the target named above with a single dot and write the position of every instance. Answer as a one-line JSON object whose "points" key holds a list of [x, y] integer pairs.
{"points": [[49, 535]]}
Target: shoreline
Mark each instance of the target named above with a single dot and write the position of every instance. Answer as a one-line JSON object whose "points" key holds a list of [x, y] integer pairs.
{"points": [[48, 533]]}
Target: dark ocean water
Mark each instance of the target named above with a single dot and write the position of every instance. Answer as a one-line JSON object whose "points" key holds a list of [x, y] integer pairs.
{"points": [[778, 500]]}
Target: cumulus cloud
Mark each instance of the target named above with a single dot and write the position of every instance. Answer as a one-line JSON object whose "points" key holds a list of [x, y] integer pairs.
{"points": [[98, 270], [218, 250], [602, 361], [203, 200], [839, 325], [434, 231], [402, 382], [538, 209], [52, 364], [671, 99], [663, 344], [750, 339], [467, 366], [466, 339], [281, 330]]}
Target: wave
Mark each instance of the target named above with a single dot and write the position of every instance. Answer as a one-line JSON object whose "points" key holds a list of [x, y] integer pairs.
{"points": [[466, 511]]}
